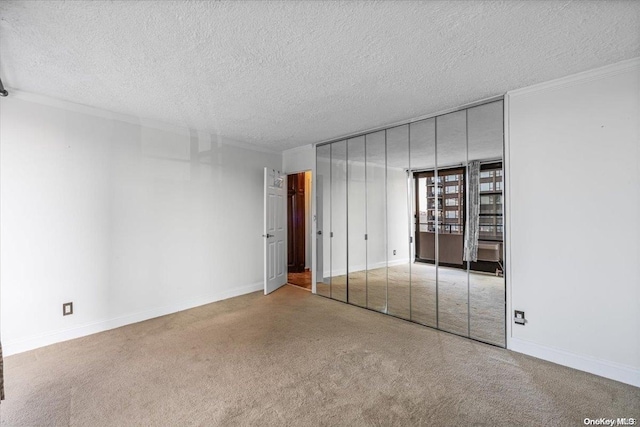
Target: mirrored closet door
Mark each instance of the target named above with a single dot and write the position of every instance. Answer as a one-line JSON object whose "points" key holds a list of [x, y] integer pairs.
{"points": [[356, 222], [453, 283], [338, 220], [323, 220], [398, 223], [424, 196], [376, 202], [410, 222], [486, 262]]}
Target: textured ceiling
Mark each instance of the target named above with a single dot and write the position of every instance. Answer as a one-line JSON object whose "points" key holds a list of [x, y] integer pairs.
{"points": [[285, 74]]}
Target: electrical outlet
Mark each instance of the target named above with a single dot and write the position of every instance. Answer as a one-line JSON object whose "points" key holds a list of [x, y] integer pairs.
{"points": [[519, 317], [394, 251], [67, 308]]}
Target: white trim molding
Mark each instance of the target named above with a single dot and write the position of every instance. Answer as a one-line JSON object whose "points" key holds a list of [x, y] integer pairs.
{"points": [[34, 342], [579, 78], [506, 194], [603, 368]]}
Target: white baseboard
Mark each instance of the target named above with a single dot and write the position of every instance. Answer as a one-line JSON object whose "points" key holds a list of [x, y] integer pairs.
{"points": [[31, 343], [357, 268], [615, 371]]}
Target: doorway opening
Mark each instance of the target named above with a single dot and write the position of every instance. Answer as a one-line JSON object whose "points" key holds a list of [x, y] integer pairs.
{"points": [[299, 229]]}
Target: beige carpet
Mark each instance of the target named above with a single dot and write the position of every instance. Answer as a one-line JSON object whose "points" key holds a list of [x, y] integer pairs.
{"points": [[293, 358], [409, 292]]}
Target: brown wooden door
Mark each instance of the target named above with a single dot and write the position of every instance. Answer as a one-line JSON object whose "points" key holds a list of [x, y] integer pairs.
{"points": [[296, 223]]}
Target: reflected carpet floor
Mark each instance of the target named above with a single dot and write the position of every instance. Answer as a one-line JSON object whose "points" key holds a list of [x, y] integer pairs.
{"points": [[293, 358], [409, 291]]}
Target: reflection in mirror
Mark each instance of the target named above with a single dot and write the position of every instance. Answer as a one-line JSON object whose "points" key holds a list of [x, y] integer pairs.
{"points": [[453, 289], [447, 172], [398, 224], [486, 275], [376, 222], [423, 270], [357, 254], [323, 218], [338, 234]]}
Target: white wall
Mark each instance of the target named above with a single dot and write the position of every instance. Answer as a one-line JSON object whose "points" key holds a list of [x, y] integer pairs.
{"points": [[128, 221], [299, 159], [573, 158], [398, 216]]}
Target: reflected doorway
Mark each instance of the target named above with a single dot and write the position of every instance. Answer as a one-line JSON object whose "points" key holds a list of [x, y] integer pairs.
{"points": [[299, 229]]}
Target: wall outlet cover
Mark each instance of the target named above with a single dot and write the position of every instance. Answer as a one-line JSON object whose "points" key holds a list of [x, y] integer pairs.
{"points": [[67, 308]]}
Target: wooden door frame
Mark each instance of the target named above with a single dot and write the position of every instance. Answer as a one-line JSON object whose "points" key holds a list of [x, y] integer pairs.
{"points": [[296, 222], [312, 215]]}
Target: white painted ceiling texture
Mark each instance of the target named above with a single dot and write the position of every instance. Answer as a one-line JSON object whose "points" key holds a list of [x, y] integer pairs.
{"points": [[285, 74]]}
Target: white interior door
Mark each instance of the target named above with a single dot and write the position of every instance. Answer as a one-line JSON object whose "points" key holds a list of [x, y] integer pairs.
{"points": [[275, 231]]}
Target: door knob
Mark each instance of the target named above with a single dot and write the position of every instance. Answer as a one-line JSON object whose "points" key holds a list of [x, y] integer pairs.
{"points": [[267, 235], [320, 232]]}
